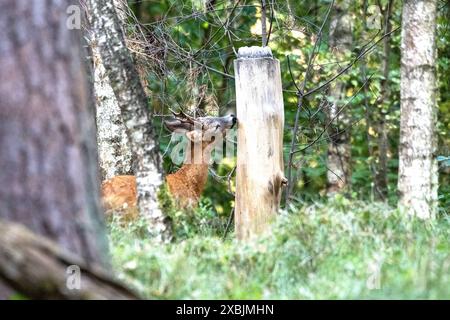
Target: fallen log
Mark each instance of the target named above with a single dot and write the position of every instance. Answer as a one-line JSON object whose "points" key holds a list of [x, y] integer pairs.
{"points": [[39, 269]]}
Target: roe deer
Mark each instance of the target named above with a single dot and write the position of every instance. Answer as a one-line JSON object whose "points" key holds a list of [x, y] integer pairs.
{"points": [[185, 185]]}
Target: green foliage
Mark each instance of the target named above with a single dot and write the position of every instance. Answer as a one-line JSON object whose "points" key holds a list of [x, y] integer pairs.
{"points": [[17, 296], [317, 249], [197, 49], [202, 220], [323, 251]]}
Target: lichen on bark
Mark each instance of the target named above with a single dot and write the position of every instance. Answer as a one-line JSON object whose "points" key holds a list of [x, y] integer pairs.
{"points": [[114, 150]]}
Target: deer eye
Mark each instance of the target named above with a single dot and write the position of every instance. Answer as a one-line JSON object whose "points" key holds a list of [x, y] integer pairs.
{"points": [[217, 126]]}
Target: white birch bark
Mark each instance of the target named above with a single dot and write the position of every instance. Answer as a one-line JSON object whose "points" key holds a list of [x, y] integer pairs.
{"points": [[115, 157], [418, 177], [114, 151], [135, 113]]}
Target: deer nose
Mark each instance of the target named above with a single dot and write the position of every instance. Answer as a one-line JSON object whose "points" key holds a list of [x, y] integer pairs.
{"points": [[233, 119]]}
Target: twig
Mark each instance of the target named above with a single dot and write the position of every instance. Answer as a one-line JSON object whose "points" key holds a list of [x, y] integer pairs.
{"points": [[334, 118], [230, 175], [291, 74], [263, 23], [230, 220], [224, 26], [362, 54], [272, 14]]}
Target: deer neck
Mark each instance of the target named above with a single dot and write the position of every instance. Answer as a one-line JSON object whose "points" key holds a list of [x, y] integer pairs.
{"points": [[189, 181], [196, 162], [194, 177]]}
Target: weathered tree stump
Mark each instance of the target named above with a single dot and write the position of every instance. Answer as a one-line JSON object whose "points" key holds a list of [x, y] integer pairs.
{"points": [[260, 113]]}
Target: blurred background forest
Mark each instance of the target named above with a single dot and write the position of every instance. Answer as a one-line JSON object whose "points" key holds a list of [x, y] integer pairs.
{"points": [[190, 47], [348, 245], [357, 153]]}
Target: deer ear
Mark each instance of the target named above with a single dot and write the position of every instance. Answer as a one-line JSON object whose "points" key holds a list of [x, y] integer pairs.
{"points": [[194, 135], [177, 125]]}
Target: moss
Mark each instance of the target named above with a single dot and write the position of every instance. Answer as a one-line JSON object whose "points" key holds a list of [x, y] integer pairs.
{"points": [[166, 201]]}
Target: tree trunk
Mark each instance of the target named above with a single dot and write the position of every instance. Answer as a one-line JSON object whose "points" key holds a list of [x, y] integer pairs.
{"points": [[367, 104], [133, 106], [418, 177], [55, 273], [114, 150], [113, 144], [339, 149], [381, 180], [47, 135]]}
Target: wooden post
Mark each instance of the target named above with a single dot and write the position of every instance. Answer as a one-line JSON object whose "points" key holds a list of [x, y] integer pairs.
{"points": [[260, 113]]}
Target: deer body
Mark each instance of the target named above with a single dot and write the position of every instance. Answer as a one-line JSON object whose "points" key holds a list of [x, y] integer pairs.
{"points": [[119, 195], [187, 183]]}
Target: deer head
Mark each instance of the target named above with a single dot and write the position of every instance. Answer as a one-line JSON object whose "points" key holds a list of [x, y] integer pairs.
{"points": [[203, 132], [187, 184]]}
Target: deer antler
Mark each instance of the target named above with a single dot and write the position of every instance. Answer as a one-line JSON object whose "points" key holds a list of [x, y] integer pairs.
{"points": [[183, 117]]}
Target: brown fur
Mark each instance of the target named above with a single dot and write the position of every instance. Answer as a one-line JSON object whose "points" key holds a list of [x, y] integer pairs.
{"points": [[185, 185], [119, 196]]}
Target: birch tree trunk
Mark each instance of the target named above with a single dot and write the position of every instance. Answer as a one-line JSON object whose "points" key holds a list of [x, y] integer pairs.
{"points": [[418, 177], [48, 155], [135, 114], [115, 157], [113, 144], [339, 149]]}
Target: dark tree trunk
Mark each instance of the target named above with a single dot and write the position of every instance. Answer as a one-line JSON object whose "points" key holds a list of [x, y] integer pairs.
{"points": [[48, 154], [339, 148], [381, 181], [134, 109], [367, 105]]}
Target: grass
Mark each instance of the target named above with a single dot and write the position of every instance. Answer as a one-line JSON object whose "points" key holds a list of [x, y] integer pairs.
{"points": [[339, 250]]}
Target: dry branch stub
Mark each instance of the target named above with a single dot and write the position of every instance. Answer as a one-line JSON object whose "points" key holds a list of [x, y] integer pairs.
{"points": [[260, 113], [37, 267]]}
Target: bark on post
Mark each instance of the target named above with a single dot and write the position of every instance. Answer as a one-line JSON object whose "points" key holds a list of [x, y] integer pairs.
{"points": [[134, 108], [260, 113], [418, 175]]}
